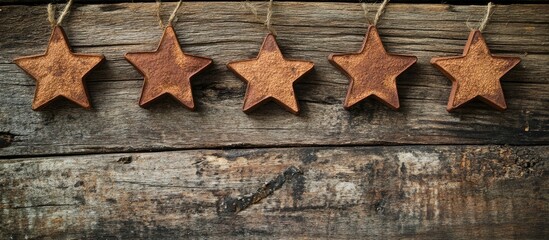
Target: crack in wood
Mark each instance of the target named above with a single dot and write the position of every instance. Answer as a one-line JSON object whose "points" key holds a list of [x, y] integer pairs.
{"points": [[125, 160], [40, 206], [230, 205], [6, 138]]}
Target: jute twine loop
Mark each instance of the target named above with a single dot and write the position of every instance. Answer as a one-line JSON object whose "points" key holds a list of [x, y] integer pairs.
{"points": [[486, 17], [51, 14], [484, 20], [172, 18], [268, 20], [380, 12]]}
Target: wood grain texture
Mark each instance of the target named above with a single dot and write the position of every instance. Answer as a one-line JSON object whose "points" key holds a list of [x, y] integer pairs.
{"points": [[227, 31], [435, 192], [460, 2]]}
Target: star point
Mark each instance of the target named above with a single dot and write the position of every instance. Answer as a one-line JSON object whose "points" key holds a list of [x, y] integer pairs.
{"points": [[372, 71], [167, 71], [475, 74], [59, 73], [270, 77]]}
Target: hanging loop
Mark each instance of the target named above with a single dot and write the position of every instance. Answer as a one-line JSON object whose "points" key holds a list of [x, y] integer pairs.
{"points": [[172, 17], [51, 14]]}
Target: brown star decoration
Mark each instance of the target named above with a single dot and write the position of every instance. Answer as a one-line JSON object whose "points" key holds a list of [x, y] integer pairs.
{"points": [[372, 71], [270, 77], [167, 70], [59, 72], [476, 74]]}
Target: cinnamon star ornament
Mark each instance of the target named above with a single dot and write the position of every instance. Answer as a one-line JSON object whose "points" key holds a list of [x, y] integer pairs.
{"points": [[59, 73], [167, 71], [476, 74], [270, 77], [372, 71]]}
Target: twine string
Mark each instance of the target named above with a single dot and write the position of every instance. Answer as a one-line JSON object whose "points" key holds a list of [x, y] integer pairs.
{"points": [[268, 19], [252, 9], [379, 12], [51, 13], [486, 17], [158, 4], [172, 17], [484, 20], [365, 8]]}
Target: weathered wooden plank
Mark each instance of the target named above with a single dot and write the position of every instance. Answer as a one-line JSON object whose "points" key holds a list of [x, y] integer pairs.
{"points": [[227, 31], [461, 2], [436, 192]]}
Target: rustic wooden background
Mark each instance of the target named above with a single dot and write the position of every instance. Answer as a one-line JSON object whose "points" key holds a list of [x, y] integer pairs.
{"points": [[120, 171]]}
